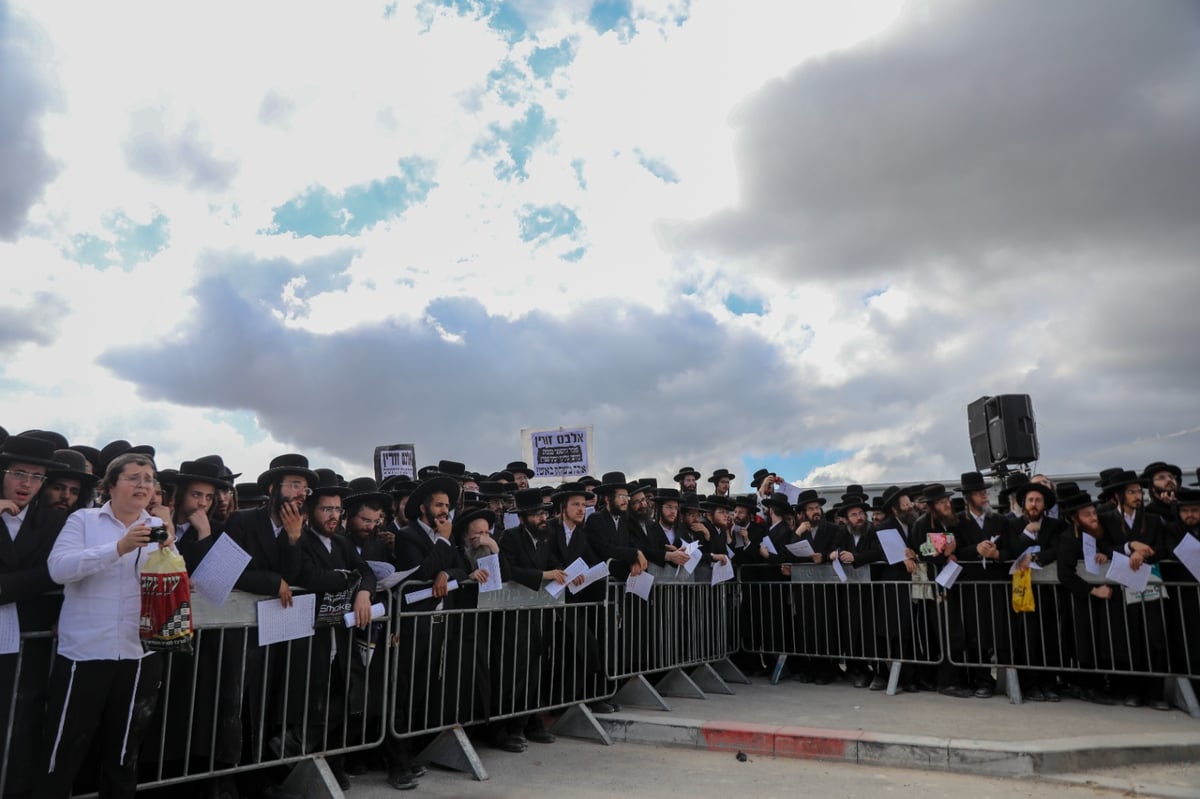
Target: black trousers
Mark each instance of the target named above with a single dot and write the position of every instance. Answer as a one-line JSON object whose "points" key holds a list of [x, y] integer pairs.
{"points": [[111, 700]]}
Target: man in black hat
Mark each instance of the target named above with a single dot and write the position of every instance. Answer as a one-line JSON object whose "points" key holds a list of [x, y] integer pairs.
{"points": [[521, 473], [856, 546], [424, 543], [778, 511], [667, 536], [763, 483], [365, 508], [1036, 638], [983, 592], [250, 496], [722, 480], [686, 478], [1162, 480], [71, 486], [30, 527], [893, 607], [196, 487], [747, 531], [608, 528]]}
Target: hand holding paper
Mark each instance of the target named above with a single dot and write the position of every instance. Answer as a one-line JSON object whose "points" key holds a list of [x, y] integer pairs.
{"points": [[894, 548]]}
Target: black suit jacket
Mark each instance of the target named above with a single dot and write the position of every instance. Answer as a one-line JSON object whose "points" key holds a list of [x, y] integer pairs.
{"points": [[24, 577], [970, 536], [271, 558], [1017, 542], [319, 567], [1147, 528], [414, 549], [611, 540], [522, 561]]}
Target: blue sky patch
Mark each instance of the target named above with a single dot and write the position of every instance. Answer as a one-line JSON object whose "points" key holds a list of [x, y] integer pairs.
{"points": [[319, 212], [577, 165], [245, 423], [574, 256], [124, 242], [607, 15], [738, 304], [657, 167], [501, 16], [506, 82], [542, 223], [791, 467], [544, 60], [519, 140]]}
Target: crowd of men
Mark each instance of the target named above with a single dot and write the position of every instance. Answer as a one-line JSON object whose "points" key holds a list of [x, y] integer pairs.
{"points": [[312, 528]]}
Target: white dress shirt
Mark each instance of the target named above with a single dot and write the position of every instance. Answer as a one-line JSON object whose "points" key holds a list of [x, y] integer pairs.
{"points": [[102, 591], [14, 522]]}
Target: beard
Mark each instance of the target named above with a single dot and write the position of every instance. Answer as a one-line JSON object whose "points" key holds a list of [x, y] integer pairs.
{"points": [[857, 529], [947, 518]]}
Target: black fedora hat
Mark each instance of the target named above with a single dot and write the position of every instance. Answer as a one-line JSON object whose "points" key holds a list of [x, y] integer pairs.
{"points": [[568, 490], [34, 451], [329, 484], [684, 472], [721, 474], [249, 494], [1187, 496], [972, 481], [530, 500], [391, 483], [689, 502], [641, 486], [230, 475], [1076, 502], [365, 489], [853, 490], [520, 467], [934, 492], [462, 520], [452, 469], [1118, 481], [807, 496], [282, 465], [167, 478], [72, 466], [891, 495], [57, 439], [203, 472], [778, 502], [717, 503], [748, 501], [610, 482], [427, 488], [91, 453], [1159, 466], [877, 504], [1047, 493], [667, 495], [472, 501], [856, 502], [502, 476], [759, 476], [114, 449], [493, 489]]}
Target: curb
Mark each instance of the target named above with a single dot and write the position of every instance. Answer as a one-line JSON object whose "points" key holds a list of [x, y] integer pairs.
{"points": [[1033, 758]]}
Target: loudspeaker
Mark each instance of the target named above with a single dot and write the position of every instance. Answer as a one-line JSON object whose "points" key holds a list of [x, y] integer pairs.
{"points": [[977, 428], [1002, 430]]}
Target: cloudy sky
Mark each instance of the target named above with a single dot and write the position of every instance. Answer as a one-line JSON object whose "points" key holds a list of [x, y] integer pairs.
{"points": [[726, 234]]}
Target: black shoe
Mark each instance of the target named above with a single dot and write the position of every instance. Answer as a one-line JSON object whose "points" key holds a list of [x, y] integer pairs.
{"points": [[604, 706], [1050, 694], [1133, 700], [956, 691], [400, 779], [539, 734], [418, 771], [862, 680], [1034, 694], [878, 684], [1095, 696], [926, 685], [985, 691], [506, 743], [1159, 704]]}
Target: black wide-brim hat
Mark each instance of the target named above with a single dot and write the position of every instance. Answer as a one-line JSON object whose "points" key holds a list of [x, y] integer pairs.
{"points": [[759, 476], [520, 467], [809, 495], [684, 472], [972, 481], [935, 492], [1118, 481], [202, 472], [427, 488], [283, 465], [748, 501], [329, 484], [567, 490], [115, 449], [667, 495], [76, 468], [891, 495], [529, 500], [1159, 466], [365, 489], [720, 474], [26, 449], [460, 522], [1075, 502], [1047, 494], [610, 482], [717, 503], [248, 493], [1187, 496], [856, 502], [779, 502]]}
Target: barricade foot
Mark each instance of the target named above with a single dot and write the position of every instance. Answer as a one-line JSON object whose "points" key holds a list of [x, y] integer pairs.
{"points": [[1011, 685], [452, 749], [638, 691], [729, 672], [709, 681], [893, 686], [578, 722], [677, 683], [1183, 696], [313, 778], [777, 671]]}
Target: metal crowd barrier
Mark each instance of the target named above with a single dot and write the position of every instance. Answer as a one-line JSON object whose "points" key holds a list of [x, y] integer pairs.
{"points": [[34, 655], [483, 658], [687, 623], [1151, 634], [814, 615]]}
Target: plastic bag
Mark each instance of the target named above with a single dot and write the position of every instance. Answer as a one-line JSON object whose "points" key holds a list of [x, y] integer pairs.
{"points": [[1022, 591], [166, 623]]}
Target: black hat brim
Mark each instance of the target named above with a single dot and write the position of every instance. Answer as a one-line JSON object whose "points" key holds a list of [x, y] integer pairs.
{"points": [[271, 475], [434, 485]]}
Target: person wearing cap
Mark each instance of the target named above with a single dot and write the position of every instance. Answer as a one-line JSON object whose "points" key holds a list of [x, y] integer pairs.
{"points": [[686, 478], [979, 604], [1091, 605], [28, 596], [69, 487], [104, 685], [1137, 534], [722, 481]]}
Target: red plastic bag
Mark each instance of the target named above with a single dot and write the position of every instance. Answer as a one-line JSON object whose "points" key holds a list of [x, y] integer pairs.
{"points": [[166, 624]]}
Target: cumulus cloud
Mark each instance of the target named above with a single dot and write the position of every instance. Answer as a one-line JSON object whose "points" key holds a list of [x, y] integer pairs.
{"points": [[35, 323], [184, 155], [26, 93]]}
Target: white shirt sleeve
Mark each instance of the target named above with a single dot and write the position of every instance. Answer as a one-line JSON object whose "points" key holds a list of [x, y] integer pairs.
{"points": [[70, 560]]}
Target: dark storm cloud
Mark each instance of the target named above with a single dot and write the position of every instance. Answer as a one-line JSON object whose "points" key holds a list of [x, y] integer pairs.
{"points": [[183, 156], [974, 127], [26, 93], [36, 323], [621, 369]]}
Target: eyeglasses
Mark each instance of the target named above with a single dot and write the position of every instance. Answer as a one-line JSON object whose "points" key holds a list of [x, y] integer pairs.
{"points": [[138, 480], [296, 485], [25, 477], [330, 509]]}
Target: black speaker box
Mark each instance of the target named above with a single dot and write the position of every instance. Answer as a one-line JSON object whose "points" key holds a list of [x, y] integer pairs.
{"points": [[977, 428], [1002, 430]]}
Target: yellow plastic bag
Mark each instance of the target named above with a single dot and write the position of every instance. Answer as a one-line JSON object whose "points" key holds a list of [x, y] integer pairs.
{"points": [[1022, 592]]}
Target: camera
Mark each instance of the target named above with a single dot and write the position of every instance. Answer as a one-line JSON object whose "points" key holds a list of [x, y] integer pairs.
{"points": [[158, 533]]}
